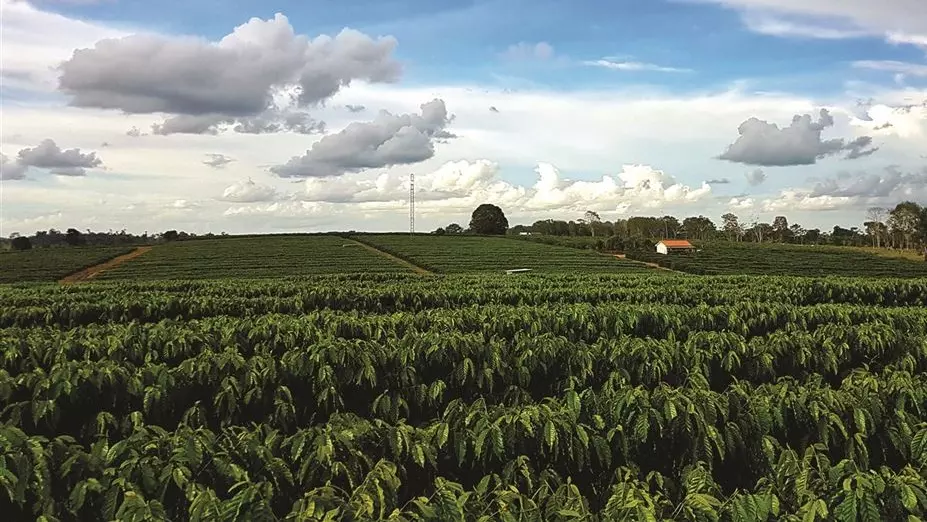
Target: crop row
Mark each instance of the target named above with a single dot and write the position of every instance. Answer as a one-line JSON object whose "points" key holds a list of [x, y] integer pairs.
{"points": [[253, 257], [468, 254], [52, 264], [871, 424], [716, 258], [88, 304]]}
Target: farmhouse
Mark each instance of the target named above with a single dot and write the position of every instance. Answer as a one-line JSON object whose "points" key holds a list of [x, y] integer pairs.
{"points": [[674, 245]]}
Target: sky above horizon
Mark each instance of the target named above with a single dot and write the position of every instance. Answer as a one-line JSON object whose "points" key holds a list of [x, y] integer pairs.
{"points": [[282, 116]]}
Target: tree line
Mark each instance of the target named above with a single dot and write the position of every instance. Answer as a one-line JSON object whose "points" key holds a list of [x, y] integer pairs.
{"points": [[74, 237], [901, 227]]}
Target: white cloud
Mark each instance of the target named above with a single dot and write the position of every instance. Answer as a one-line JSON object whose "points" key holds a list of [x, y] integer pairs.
{"points": [[792, 200], [463, 184], [742, 203], [633, 66], [853, 191], [906, 121], [285, 209], [249, 192]]}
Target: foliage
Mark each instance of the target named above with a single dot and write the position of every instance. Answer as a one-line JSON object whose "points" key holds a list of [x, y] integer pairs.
{"points": [[21, 243], [488, 219], [252, 257], [52, 264], [464, 254], [470, 398], [722, 257]]}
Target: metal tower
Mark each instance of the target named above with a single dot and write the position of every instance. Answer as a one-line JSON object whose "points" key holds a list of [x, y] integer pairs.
{"points": [[411, 204]]}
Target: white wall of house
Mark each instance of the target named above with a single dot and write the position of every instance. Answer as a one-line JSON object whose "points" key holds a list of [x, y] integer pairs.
{"points": [[661, 249]]}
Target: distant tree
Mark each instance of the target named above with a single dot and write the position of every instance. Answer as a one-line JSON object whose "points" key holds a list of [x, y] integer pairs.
{"points": [[670, 226], [170, 235], [454, 228], [731, 226], [439, 231], [905, 222], [73, 237], [813, 236], [592, 219], [488, 219], [797, 233], [21, 243], [698, 228]]}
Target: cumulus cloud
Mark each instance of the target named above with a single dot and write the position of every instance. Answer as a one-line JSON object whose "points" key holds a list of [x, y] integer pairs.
{"points": [[205, 83], [48, 155], [883, 185], [462, 184], [861, 190], [765, 144], [631, 66], [906, 121], [278, 209], [354, 108], [718, 181], [272, 121], [218, 161], [524, 51], [249, 192], [190, 124], [134, 132], [11, 169], [390, 139], [742, 203], [493, 109], [755, 177]]}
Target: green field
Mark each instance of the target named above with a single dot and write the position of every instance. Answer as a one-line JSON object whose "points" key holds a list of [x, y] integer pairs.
{"points": [[782, 259], [52, 264], [253, 257], [466, 398], [467, 254]]}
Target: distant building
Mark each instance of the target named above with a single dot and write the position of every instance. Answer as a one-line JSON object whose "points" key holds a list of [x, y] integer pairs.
{"points": [[673, 246]]}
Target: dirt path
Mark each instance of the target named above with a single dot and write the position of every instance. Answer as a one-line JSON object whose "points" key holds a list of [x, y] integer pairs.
{"points": [[415, 268], [95, 270]]}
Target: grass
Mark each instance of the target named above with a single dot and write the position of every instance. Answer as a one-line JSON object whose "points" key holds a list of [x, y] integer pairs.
{"points": [[468, 254], [253, 257], [52, 264], [783, 259]]}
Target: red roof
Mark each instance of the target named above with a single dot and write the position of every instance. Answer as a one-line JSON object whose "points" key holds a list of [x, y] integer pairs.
{"points": [[677, 243]]}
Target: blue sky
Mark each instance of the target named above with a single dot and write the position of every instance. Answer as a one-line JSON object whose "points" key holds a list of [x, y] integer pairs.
{"points": [[592, 88]]}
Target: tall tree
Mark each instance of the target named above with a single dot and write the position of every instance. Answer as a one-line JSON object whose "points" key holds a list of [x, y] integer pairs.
{"points": [[904, 221], [731, 226], [698, 228], [454, 228], [875, 225], [671, 226], [593, 219], [73, 237], [780, 226], [488, 219]]}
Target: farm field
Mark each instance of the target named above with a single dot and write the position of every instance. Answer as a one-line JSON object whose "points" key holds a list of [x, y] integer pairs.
{"points": [[253, 257], [784, 259], [475, 397], [52, 264], [467, 254]]}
